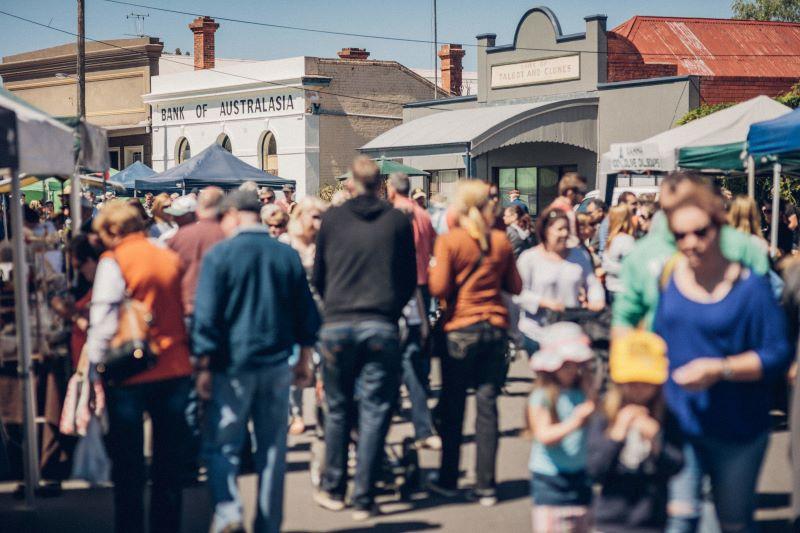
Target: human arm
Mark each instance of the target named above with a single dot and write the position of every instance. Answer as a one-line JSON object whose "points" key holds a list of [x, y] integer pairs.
{"points": [[629, 304], [440, 274], [108, 292], [530, 298], [406, 266], [595, 293], [551, 433], [208, 321], [769, 359], [318, 271], [512, 282], [602, 451], [306, 320]]}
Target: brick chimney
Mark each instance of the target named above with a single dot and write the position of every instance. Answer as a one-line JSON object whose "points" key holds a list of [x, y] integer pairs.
{"points": [[203, 29], [451, 55], [356, 54]]}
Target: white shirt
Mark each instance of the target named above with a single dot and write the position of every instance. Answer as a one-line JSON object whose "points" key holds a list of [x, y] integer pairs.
{"points": [[108, 292], [562, 280]]}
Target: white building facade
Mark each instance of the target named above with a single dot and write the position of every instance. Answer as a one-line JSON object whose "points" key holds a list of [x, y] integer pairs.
{"points": [[260, 111]]}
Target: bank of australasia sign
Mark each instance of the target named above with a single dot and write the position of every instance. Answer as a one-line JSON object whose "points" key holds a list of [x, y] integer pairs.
{"points": [[227, 108], [534, 72]]}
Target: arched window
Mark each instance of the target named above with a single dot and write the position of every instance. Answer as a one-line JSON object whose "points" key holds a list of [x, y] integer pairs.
{"points": [[182, 150], [268, 152], [225, 141]]}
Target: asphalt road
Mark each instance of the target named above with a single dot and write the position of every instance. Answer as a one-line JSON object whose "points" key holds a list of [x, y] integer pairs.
{"points": [[80, 510]]}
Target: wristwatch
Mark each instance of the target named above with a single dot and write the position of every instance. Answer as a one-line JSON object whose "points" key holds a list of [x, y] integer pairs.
{"points": [[727, 372]]}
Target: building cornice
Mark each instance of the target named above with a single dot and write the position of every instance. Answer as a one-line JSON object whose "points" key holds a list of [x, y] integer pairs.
{"points": [[97, 60]]}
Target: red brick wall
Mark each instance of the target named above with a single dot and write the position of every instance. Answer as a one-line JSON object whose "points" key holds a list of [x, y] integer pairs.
{"points": [[625, 63], [720, 90]]}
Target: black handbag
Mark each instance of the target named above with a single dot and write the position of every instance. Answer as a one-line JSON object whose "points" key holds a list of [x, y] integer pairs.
{"points": [[131, 351]]}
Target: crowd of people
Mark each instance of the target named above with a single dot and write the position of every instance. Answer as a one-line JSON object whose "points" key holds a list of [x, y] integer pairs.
{"points": [[249, 299]]}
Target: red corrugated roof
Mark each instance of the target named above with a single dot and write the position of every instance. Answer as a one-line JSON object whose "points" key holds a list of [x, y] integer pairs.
{"points": [[716, 47]]}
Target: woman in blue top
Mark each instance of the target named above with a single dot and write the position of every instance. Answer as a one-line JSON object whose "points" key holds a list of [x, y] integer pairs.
{"points": [[726, 347]]}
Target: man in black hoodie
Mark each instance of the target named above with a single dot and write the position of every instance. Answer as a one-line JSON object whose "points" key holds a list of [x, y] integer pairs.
{"points": [[365, 271]]}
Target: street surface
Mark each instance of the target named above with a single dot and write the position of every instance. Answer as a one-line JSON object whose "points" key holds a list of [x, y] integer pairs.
{"points": [[89, 510]]}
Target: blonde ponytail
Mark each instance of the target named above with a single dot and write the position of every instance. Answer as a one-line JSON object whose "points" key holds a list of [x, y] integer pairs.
{"points": [[471, 198]]}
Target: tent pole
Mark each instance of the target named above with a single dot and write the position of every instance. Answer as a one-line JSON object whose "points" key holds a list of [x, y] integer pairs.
{"points": [[751, 177], [776, 196], [75, 203], [25, 364]]}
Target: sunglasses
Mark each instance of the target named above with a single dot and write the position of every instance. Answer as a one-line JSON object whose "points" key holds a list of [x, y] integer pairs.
{"points": [[699, 233], [278, 226]]}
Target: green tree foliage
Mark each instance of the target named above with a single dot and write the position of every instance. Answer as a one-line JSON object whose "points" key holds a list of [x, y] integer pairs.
{"points": [[781, 10]]}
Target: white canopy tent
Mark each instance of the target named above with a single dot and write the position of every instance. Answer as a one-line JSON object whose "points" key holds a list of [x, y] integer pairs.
{"points": [[660, 152], [33, 143]]}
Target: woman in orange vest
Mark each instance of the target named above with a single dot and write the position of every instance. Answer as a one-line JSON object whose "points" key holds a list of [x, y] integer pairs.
{"points": [[151, 275]]}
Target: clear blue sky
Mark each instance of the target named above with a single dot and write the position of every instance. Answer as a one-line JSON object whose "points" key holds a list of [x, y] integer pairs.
{"points": [[459, 22]]}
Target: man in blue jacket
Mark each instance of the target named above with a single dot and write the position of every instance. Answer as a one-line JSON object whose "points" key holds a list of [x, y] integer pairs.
{"points": [[253, 304]]}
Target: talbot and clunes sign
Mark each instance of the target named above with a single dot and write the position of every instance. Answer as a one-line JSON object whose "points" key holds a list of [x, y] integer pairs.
{"points": [[227, 108], [539, 71]]}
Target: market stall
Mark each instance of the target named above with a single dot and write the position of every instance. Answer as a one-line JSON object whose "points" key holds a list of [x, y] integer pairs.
{"points": [[717, 139], [776, 142], [213, 166]]}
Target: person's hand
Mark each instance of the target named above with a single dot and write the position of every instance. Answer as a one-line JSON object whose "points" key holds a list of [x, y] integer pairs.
{"points": [[699, 374], [583, 411], [647, 426], [623, 421], [99, 398], [303, 375], [82, 323], [202, 384], [553, 305], [791, 376]]}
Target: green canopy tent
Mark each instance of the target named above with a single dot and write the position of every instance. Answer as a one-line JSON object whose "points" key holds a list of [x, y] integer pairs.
{"points": [[387, 166]]}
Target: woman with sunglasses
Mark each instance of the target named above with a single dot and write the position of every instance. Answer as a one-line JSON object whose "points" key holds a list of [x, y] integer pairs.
{"points": [[726, 345]]}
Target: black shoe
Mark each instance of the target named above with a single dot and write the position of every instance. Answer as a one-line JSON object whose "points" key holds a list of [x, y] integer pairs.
{"points": [[436, 488]]}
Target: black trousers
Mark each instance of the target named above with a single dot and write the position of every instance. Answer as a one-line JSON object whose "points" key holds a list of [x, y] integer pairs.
{"points": [[165, 401], [475, 359]]}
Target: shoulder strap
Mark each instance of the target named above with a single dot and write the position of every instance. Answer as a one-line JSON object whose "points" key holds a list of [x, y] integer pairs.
{"points": [[666, 272]]}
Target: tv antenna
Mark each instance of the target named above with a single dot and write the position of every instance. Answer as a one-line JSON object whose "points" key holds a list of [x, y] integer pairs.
{"points": [[138, 23]]}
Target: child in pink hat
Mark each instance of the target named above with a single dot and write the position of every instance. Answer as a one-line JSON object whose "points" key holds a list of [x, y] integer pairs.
{"points": [[558, 408]]}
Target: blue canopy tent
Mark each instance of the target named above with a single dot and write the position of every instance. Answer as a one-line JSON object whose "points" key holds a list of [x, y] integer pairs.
{"points": [[776, 141], [128, 176], [213, 166]]}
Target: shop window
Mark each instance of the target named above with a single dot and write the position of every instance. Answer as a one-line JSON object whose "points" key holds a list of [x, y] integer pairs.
{"points": [[538, 186], [183, 151], [133, 154], [443, 182], [225, 141], [268, 152], [113, 157]]}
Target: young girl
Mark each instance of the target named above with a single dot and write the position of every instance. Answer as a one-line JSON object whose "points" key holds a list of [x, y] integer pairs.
{"points": [[559, 407], [633, 443]]}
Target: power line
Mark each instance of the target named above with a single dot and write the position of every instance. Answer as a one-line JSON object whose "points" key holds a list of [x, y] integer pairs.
{"points": [[426, 41], [162, 58]]}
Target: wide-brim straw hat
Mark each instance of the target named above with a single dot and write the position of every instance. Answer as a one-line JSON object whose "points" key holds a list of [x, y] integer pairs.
{"points": [[560, 343]]}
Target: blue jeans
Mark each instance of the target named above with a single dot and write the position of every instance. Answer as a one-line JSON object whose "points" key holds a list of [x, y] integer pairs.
{"points": [[262, 395], [416, 368], [165, 402], [733, 468], [361, 376]]}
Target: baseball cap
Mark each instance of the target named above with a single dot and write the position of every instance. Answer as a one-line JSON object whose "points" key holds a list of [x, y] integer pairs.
{"points": [[288, 188], [242, 200], [639, 357], [182, 206], [418, 193], [560, 343]]}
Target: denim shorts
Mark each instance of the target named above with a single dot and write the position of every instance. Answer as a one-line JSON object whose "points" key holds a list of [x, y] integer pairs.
{"points": [[561, 489]]}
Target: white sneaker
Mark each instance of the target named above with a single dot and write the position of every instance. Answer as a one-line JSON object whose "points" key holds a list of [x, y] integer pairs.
{"points": [[360, 515], [328, 501]]}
